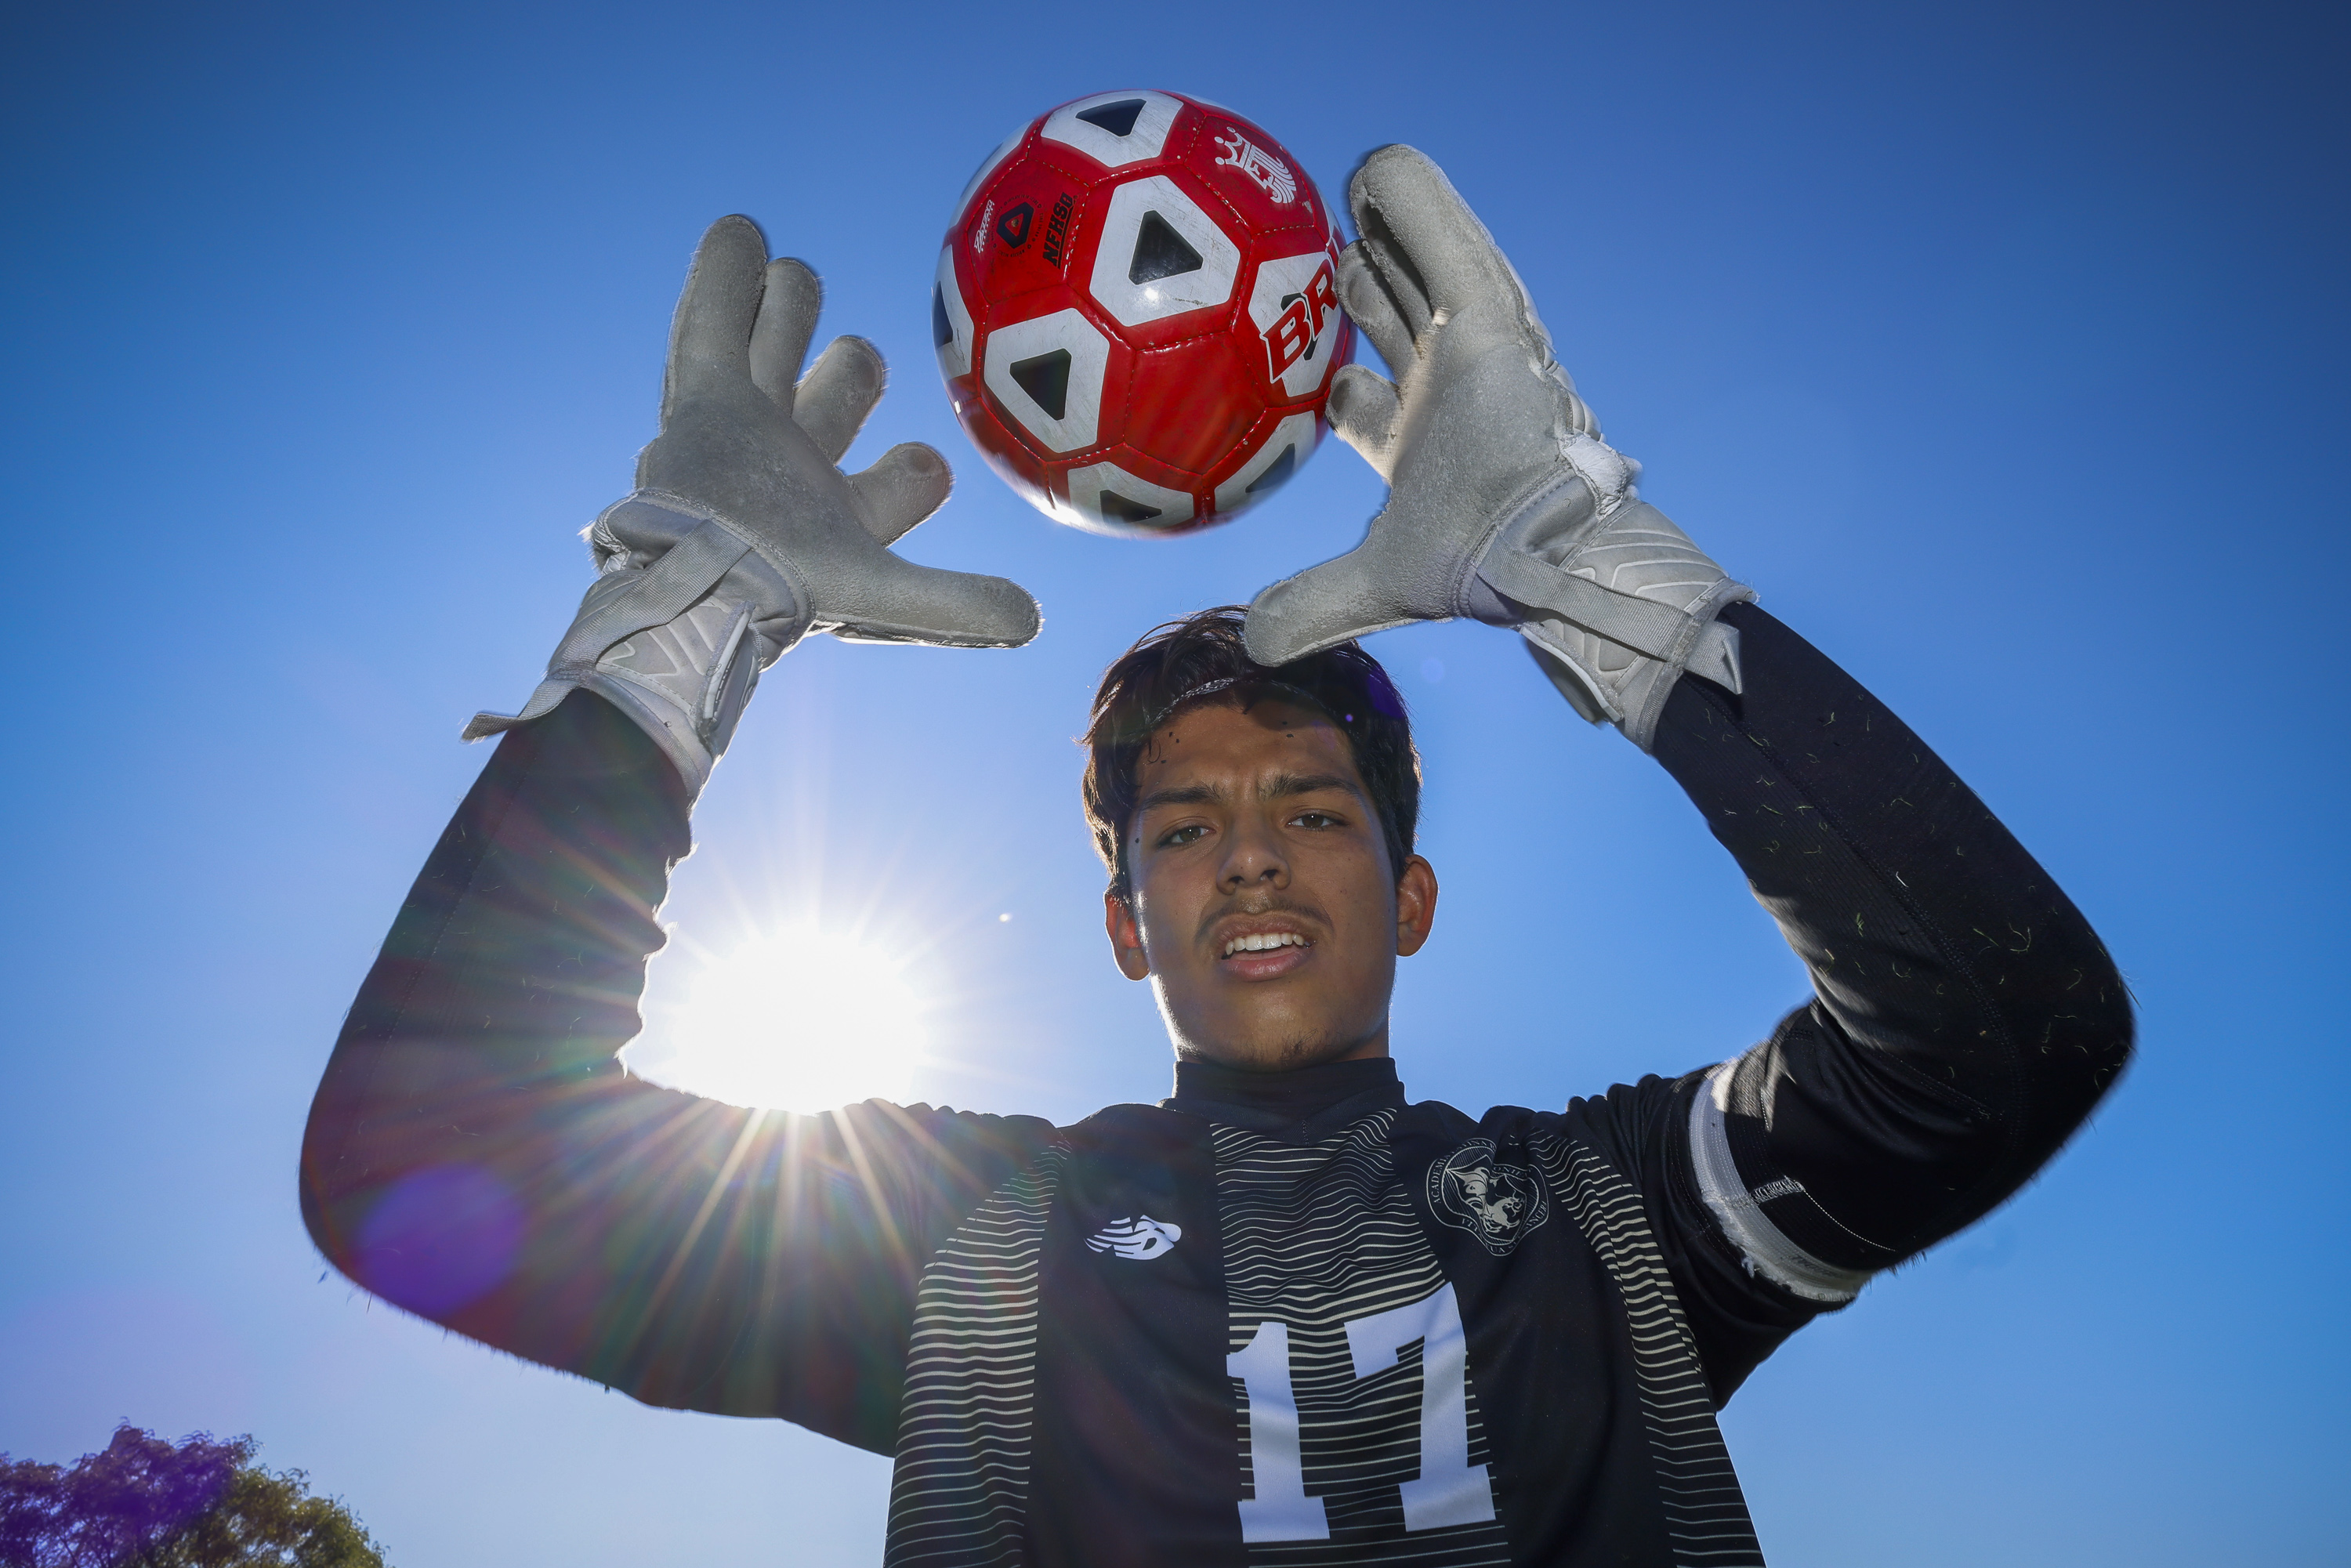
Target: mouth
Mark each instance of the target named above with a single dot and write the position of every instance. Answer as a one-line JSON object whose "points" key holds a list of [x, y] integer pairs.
{"points": [[1263, 954]]}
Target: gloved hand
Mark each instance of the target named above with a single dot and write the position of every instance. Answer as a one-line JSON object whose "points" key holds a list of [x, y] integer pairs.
{"points": [[1503, 502], [743, 536]]}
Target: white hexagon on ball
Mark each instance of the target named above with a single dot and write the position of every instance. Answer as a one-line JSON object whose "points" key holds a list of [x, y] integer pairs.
{"points": [[995, 160], [1160, 255], [1271, 467], [1115, 129], [1298, 350], [1047, 373], [1108, 500], [950, 319]]}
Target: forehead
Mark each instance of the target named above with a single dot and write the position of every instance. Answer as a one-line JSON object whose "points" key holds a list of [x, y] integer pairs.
{"points": [[1218, 743]]}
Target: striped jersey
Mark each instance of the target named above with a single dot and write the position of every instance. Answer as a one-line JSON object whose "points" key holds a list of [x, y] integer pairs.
{"points": [[1375, 1332], [1278, 1320]]}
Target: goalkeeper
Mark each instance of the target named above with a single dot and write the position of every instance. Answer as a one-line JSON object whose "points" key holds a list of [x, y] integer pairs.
{"points": [[1285, 1316]]}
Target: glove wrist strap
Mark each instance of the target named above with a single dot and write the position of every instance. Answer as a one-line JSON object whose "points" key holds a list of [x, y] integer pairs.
{"points": [[676, 645], [1616, 606]]}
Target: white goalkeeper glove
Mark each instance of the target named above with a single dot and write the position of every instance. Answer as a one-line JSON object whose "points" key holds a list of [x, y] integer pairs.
{"points": [[1504, 505], [743, 536]]}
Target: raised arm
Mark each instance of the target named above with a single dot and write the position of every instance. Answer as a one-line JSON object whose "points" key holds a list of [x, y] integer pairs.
{"points": [[476, 1153], [1966, 1018]]}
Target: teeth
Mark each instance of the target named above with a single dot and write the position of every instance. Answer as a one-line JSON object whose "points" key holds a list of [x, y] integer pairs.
{"points": [[1260, 944]]}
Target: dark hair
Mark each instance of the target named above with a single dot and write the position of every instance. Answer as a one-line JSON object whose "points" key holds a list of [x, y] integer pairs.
{"points": [[1201, 659]]}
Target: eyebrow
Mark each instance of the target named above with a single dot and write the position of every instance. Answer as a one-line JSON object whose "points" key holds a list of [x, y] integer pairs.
{"points": [[1276, 787]]}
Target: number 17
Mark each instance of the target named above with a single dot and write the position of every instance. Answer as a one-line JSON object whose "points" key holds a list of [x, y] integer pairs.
{"points": [[1450, 1489]]}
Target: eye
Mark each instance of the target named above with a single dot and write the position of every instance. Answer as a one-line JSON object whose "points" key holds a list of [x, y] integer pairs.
{"points": [[1315, 821], [1176, 837]]}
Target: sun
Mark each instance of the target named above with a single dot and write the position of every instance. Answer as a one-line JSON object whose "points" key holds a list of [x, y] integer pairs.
{"points": [[798, 1021]]}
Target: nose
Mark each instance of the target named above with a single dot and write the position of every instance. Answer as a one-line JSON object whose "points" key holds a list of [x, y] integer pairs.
{"points": [[1254, 857]]}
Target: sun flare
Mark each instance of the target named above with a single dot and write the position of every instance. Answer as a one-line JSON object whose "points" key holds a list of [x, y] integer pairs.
{"points": [[801, 1020]]}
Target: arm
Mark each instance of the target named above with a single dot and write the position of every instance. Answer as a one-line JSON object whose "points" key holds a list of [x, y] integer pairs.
{"points": [[476, 1153], [1967, 1019]]}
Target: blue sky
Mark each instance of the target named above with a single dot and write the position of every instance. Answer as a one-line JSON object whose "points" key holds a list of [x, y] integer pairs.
{"points": [[1999, 346]]}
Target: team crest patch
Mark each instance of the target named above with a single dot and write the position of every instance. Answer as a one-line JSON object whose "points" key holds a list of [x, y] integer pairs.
{"points": [[1495, 1203]]}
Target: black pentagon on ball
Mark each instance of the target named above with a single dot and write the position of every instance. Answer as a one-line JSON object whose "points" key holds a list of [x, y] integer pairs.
{"points": [[1116, 508], [1118, 119], [1046, 379], [1160, 252]]}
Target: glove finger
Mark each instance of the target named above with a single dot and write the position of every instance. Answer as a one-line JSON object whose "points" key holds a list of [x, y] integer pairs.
{"points": [[905, 486], [780, 337], [1387, 284], [1362, 410], [710, 336], [887, 599], [1324, 605], [1419, 225], [840, 390], [1364, 294]]}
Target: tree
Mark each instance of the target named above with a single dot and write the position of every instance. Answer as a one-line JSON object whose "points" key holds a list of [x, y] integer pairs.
{"points": [[144, 1502]]}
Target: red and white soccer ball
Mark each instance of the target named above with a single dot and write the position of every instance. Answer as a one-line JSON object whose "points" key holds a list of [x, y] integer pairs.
{"points": [[1135, 315]]}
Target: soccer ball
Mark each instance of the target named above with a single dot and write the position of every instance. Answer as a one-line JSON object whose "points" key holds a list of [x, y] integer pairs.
{"points": [[1135, 316]]}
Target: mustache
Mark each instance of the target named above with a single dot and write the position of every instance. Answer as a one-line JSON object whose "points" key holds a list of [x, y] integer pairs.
{"points": [[1249, 908]]}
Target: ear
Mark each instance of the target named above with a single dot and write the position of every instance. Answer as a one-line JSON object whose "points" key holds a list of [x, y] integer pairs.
{"points": [[1416, 905], [1125, 938]]}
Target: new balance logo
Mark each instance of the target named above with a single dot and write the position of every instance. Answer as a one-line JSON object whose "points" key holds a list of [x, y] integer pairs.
{"points": [[1138, 1238]]}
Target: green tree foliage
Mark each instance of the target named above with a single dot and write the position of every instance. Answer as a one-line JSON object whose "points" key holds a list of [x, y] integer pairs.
{"points": [[144, 1502]]}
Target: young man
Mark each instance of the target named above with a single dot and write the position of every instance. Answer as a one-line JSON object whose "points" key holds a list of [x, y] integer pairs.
{"points": [[1284, 1316]]}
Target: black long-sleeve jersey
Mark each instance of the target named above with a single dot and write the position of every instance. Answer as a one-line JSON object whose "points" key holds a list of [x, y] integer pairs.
{"points": [[1277, 1319]]}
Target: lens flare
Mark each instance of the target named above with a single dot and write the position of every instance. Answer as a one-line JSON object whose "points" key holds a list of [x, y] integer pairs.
{"points": [[799, 1020]]}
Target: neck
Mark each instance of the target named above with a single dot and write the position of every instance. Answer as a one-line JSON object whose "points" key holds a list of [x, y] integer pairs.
{"points": [[1299, 1102], [1294, 1057]]}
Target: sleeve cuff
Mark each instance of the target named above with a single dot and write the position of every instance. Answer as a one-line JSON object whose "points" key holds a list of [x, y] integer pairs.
{"points": [[1765, 1248]]}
